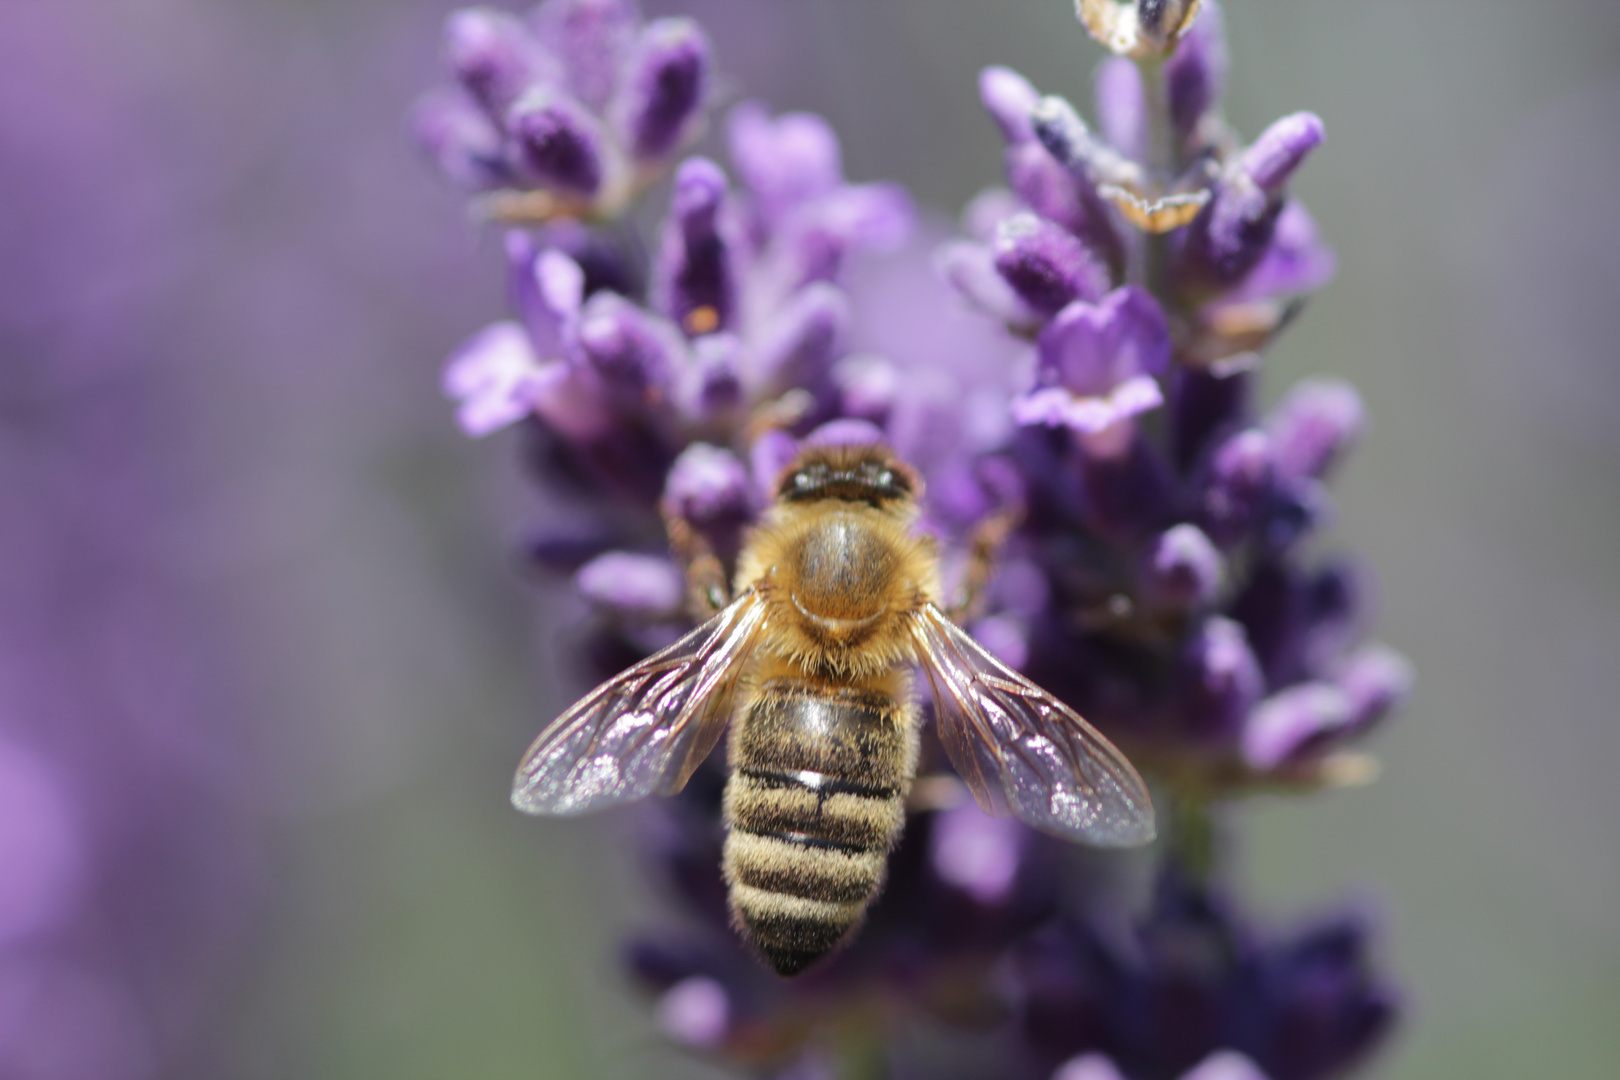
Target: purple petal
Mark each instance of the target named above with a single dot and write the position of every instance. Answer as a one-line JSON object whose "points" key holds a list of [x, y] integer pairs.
{"points": [[1225, 1065], [802, 340], [785, 161], [1047, 266], [1220, 679], [710, 387], [591, 38], [1088, 1067], [546, 289], [1008, 97], [492, 378], [642, 588], [977, 853], [846, 433], [1196, 75], [696, 280], [695, 1012], [1296, 261], [557, 141], [1281, 149], [635, 353], [462, 140], [1314, 425], [771, 453], [1294, 722], [987, 210], [970, 269], [1183, 568], [1091, 349], [666, 82], [494, 56], [868, 386], [1238, 482], [1377, 680], [708, 484], [1121, 110]]}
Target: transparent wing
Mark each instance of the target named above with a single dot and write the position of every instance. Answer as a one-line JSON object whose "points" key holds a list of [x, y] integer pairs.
{"points": [[645, 730], [1022, 751]]}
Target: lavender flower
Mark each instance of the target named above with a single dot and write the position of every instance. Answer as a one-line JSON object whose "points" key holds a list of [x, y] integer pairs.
{"points": [[1161, 578]]}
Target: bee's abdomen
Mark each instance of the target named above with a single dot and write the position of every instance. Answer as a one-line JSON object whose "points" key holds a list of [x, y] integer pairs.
{"points": [[815, 801]]}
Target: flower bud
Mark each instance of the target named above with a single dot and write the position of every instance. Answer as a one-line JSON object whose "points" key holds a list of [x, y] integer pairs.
{"points": [[666, 82], [1183, 569], [1237, 483], [1377, 680], [462, 140], [1294, 722], [696, 284], [802, 340], [557, 141], [695, 1012], [1009, 97], [970, 269], [710, 387], [492, 54], [1315, 425], [641, 588], [634, 353], [1121, 109], [1047, 266], [786, 161], [1220, 680], [709, 486]]}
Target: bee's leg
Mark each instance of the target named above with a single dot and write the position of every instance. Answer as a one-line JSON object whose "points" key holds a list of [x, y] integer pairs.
{"points": [[706, 588], [989, 536]]}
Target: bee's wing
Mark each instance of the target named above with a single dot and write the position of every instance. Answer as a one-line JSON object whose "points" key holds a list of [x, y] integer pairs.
{"points": [[647, 729], [1022, 751]]}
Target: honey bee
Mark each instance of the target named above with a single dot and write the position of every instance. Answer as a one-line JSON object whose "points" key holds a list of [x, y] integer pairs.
{"points": [[836, 600]]}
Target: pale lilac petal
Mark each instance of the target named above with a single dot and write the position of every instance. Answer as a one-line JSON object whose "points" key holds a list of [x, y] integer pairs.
{"points": [[1183, 568], [492, 378], [846, 433], [1091, 348], [1088, 1067], [641, 588], [695, 1011], [1377, 680], [977, 853], [1225, 1065], [770, 454], [708, 484], [493, 55], [1314, 426], [1295, 721], [1295, 262], [1121, 110], [785, 161], [970, 269], [1008, 97]]}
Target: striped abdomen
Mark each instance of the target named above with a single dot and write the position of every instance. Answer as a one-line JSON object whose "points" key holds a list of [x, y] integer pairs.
{"points": [[819, 775]]}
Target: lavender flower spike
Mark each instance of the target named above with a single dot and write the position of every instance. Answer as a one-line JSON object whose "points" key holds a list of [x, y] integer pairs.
{"points": [[1098, 362], [696, 281]]}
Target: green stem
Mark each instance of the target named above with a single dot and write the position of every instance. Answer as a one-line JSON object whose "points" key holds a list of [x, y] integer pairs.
{"points": [[1194, 841]]}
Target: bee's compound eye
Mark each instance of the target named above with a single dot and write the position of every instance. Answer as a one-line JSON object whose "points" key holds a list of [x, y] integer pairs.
{"points": [[885, 478], [802, 480]]}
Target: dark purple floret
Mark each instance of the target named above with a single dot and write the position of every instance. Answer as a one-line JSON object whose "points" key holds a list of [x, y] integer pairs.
{"points": [[1047, 266], [493, 55], [665, 85], [558, 143], [697, 282]]}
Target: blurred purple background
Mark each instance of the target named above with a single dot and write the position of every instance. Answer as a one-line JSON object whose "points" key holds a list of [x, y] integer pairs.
{"points": [[266, 659]]}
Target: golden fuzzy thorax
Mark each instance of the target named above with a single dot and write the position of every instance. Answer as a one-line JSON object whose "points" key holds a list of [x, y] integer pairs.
{"points": [[841, 576]]}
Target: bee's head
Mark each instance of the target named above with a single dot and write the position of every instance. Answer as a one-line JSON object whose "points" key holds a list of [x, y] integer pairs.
{"points": [[858, 474]]}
